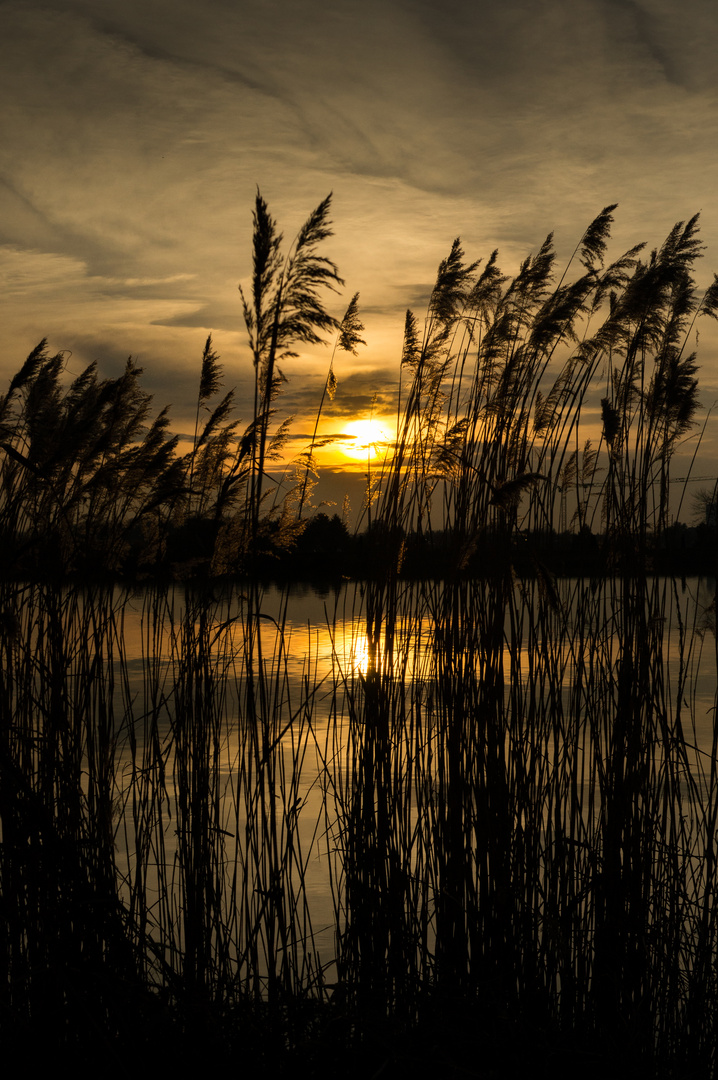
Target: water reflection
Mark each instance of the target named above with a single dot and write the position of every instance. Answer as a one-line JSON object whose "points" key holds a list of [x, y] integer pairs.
{"points": [[325, 637], [379, 788], [349, 752]]}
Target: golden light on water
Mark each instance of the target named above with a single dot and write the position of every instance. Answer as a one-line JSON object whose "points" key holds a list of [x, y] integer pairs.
{"points": [[358, 649]]}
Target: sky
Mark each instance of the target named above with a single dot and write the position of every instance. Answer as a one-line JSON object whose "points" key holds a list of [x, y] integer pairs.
{"points": [[135, 134]]}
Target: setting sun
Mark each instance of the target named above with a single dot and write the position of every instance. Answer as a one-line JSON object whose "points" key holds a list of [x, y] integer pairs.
{"points": [[365, 439]]}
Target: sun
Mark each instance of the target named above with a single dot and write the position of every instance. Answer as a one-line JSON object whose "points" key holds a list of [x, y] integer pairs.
{"points": [[365, 439]]}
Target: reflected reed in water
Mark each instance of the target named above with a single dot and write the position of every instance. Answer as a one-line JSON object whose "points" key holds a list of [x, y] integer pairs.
{"points": [[442, 820], [491, 794]]}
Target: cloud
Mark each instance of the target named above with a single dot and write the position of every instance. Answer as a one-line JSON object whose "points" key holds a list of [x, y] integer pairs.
{"points": [[134, 136], [359, 391]]}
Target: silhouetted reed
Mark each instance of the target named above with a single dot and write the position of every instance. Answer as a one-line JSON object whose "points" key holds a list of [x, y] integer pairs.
{"points": [[502, 779]]}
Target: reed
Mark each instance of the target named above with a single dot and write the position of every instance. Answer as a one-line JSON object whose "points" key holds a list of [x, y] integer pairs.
{"points": [[520, 811], [502, 778]]}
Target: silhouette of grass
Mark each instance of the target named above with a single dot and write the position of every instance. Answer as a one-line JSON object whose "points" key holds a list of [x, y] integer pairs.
{"points": [[489, 422], [505, 786]]}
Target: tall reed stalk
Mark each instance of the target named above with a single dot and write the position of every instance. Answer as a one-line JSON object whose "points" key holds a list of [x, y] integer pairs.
{"points": [[502, 778]]}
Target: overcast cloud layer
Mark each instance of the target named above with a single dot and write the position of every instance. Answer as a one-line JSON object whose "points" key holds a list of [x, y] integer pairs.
{"points": [[133, 137]]}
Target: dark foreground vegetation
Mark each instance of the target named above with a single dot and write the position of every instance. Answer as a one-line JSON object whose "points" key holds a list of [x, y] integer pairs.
{"points": [[508, 780]]}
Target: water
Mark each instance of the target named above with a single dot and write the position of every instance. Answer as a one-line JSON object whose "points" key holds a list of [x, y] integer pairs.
{"points": [[380, 790], [314, 657]]}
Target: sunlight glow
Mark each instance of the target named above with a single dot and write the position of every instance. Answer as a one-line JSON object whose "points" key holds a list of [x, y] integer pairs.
{"points": [[359, 654], [366, 439]]}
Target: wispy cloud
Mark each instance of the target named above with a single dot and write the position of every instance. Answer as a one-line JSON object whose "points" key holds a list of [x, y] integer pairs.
{"points": [[133, 137]]}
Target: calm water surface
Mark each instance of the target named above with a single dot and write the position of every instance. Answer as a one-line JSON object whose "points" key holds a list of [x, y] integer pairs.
{"points": [[315, 656]]}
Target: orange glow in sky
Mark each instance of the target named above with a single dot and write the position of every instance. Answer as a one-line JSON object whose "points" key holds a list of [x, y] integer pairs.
{"points": [[366, 439]]}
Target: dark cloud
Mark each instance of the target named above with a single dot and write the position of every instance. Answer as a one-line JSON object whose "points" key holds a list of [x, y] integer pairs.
{"points": [[358, 394], [210, 316]]}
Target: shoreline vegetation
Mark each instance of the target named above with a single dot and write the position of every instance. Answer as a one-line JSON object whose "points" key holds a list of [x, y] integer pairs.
{"points": [[489, 455], [502, 765]]}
